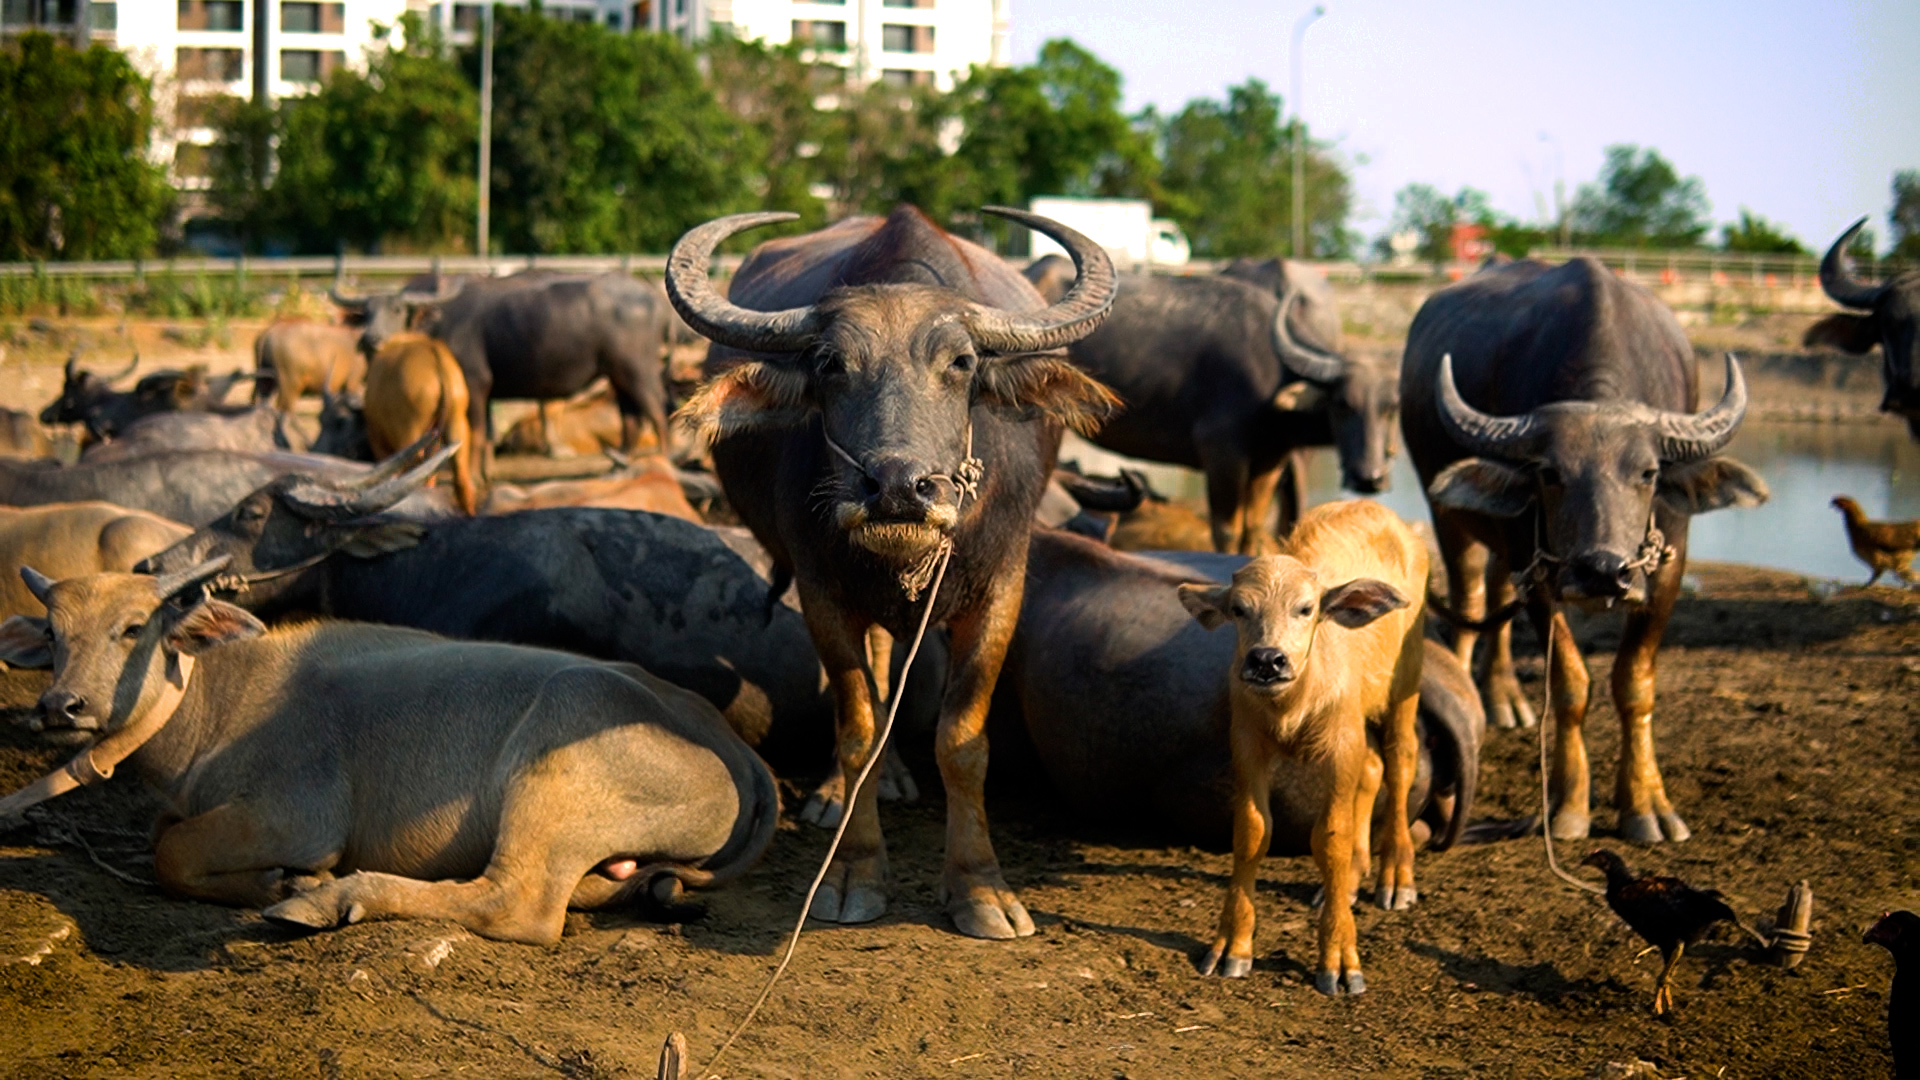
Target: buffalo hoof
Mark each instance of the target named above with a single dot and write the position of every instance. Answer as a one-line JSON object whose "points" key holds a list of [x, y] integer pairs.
{"points": [[983, 907], [854, 892], [321, 908], [1332, 984], [1653, 829], [1571, 825], [1507, 705], [896, 780], [1229, 967], [826, 804], [1392, 898]]}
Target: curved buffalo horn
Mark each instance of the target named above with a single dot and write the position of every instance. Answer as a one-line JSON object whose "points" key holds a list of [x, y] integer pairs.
{"points": [[1311, 364], [400, 460], [443, 291], [73, 359], [126, 371], [327, 502], [37, 582], [171, 585], [1691, 436], [714, 316], [1073, 317], [356, 303], [1511, 437], [1836, 274]]}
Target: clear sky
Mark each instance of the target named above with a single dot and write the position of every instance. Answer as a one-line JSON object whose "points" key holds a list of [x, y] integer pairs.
{"points": [[1799, 111]]}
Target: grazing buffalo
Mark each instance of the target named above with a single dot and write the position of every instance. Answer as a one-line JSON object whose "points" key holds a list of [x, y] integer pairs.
{"points": [[888, 406], [414, 387], [1549, 411], [1119, 691], [91, 400], [1218, 375], [189, 486], [1892, 322], [545, 336], [259, 430], [71, 539], [290, 761], [296, 357]]}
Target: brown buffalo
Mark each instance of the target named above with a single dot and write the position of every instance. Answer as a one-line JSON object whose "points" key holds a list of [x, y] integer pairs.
{"points": [[296, 357], [414, 386], [70, 539], [649, 482]]}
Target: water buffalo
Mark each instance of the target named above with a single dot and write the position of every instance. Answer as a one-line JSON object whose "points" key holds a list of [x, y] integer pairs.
{"points": [[22, 436], [259, 430], [414, 387], [585, 423], [70, 539], [885, 393], [290, 761], [1129, 515], [295, 357], [1218, 375], [545, 336], [1892, 322], [1567, 453], [188, 486], [649, 482], [89, 399]]}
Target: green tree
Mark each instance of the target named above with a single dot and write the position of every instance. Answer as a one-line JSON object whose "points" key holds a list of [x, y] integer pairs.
{"points": [[75, 180], [1903, 221], [1640, 200], [774, 91], [885, 149], [1226, 176], [604, 141], [1755, 234]]}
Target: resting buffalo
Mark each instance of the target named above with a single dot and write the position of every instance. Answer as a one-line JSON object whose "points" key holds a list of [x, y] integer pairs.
{"points": [[332, 772], [1568, 453], [259, 430], [1892, 322], [21, 436], [1120, 692], [70, 539], [884, 393], [543, 336], [89, 399], [1218, 375]]}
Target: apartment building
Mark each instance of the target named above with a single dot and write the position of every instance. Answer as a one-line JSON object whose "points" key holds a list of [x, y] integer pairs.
{"points": [[905, 42]]}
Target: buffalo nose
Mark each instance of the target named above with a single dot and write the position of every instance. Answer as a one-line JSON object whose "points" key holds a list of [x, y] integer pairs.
{"points": [[62, 705], [1266, 667], [1602, 573], [1367, 485], [898, 488]]}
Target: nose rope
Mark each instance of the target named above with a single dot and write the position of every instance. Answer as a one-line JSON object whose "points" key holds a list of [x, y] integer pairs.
{"points": [[1653, 553], [965, 479], [97, 763]]}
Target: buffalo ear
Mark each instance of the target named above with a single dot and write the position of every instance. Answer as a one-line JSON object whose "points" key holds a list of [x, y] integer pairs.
{"points": [[1046, 383], [757, 394], [1360, 601], [1848, 333], [385, 538], [1482, 486], [210, 623], [1711, 484], [23, 642], [1302, 396], [1207, 603]]}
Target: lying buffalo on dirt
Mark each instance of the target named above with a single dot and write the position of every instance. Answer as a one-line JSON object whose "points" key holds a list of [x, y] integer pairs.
{"points": [[71, 539], [260, 430], [649, 482], [89, 399], [1129, 515], [1892, 321], [290, 761]]}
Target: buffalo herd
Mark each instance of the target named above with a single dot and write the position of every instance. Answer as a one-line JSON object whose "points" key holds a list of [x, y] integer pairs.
{"points": [[359, 696]]}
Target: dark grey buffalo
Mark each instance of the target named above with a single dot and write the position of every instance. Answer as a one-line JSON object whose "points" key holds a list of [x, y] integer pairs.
{"points": [[192, 487], [90, 399], [542, 336], [1219, 375], [261, 429], [1892, 321], [865, 377], [1550, 412], [1119, 691]]}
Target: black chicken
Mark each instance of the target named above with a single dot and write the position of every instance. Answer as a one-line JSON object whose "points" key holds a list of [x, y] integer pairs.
{"points": [[1667, 912], [1899, 933]]}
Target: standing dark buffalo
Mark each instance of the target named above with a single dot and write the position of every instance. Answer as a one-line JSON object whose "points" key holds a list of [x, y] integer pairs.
{"points": [[1892, 322], [1568, 453], [542, 336], [1219, 375], [883, 390]]}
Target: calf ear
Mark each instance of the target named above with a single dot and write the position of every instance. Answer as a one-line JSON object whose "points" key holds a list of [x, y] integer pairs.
{"points": [[1359, 602], [23, 642], [1206, 603], [1711, 484], [1045, 383], [1848, 333], [1482, 486], [211, 623], [756, 394]]}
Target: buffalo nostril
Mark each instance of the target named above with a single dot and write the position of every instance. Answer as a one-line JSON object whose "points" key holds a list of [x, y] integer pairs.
{"points": [[927, 488], [869, 487], [1625, 577]]}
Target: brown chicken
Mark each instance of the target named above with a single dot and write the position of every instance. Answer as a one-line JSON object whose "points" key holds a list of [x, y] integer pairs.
{"points": [[1665, 911], [1882, 545]]}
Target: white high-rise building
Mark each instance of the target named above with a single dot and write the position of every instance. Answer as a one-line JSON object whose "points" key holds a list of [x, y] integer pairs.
{"points": [[906, 42]]}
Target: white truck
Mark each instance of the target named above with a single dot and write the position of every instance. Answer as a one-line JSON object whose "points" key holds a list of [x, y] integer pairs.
{"points": [[1133, 237]]}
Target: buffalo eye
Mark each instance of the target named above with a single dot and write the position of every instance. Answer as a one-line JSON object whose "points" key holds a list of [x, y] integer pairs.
{"points": [[133, 630], [964, 363], [1238, 610], [1303, 611], [1648, 476]]}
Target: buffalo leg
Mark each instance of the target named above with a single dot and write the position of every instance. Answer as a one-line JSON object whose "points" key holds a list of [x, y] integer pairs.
{"points": [[1253, 756], [233, 854], [855, 889], [1466, 560], [1572, 807], [895, 779], [1338, 967], [1640, 796], [640, 390], [1400, 757], [1257, 536], [976, 895], [1227, 476], [1506, 704]]}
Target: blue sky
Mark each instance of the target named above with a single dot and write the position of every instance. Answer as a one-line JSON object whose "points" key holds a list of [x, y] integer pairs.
{"points": [[1800, 111]]}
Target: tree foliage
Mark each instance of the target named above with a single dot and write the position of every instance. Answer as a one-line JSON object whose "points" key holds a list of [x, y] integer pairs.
{"points": [[1903, 221], [75, 180], [1640, 200], [1756, 235]]}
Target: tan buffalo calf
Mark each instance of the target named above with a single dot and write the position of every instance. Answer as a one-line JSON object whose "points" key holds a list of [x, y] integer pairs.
{"points": [[306, 357], [414, 385], [1330, 642], [71, 539]]}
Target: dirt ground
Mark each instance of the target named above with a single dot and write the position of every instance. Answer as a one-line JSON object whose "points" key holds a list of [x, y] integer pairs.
{"points": [[1788, 734]]}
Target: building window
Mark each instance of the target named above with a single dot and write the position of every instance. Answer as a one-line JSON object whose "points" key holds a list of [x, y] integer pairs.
{"points": [[821, 34], [901, 78], [922, 4], [898, 38], [643, 15], [309, 65], [197, 110], [106, 14], [216, 15], [312, 18], [466, 18], [679, 7], [212, 65], [192, 161]]}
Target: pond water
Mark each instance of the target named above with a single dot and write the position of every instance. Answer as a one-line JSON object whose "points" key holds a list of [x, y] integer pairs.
{"points": [[1805, 464]]}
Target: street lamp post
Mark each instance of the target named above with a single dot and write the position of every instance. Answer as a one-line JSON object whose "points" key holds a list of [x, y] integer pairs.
{"points": [[486, 127], [1299, 168]]}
